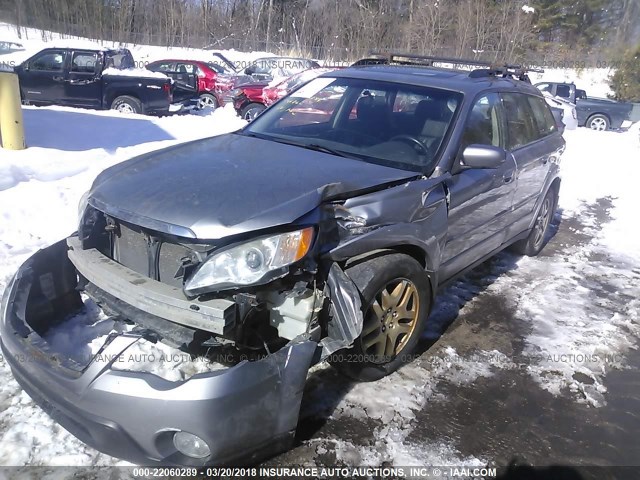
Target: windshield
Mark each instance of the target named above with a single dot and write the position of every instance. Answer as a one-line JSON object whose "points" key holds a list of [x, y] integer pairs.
{"points": [[391, 124]]}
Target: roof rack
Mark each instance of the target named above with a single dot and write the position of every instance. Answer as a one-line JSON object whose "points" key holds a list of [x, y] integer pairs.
{"points": [[488, 69]]}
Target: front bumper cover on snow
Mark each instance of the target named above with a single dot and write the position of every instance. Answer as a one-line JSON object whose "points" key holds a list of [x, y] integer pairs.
{"points": [[243, 413]]}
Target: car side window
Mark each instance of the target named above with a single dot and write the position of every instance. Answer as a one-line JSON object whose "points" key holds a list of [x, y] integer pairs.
{"points": [[521, 127], [544, 87], [84, 62], [484, 124], [52, 61], [543, 117], [165, 67], [186, 68], [563, 91]]}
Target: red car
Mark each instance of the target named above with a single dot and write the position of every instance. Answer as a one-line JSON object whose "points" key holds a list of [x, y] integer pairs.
{"points": [[248, 101], [204, 80], [251, 99]]}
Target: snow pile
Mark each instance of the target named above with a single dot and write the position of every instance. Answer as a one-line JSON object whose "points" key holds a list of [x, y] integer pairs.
{"points": [[133, 72], [528, 9], [164, 361]]}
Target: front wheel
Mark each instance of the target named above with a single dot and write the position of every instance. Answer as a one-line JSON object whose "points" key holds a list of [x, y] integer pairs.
{"points": [[126, 104], [396, 300], [251, 111], [598, 122]]}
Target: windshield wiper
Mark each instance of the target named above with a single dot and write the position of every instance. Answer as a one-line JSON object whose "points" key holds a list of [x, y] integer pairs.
{"points": [[320, 148], [309, 146]]}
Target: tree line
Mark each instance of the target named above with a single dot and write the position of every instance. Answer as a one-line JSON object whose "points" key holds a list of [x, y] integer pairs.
{"points": [[348, 29]]}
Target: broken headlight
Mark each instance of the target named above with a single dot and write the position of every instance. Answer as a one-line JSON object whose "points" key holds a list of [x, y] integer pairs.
{"points": [[82, 205], [255, 262]]}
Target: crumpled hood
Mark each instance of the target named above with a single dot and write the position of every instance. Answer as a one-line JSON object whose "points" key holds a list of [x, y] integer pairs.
{"points": [[230, 184]]}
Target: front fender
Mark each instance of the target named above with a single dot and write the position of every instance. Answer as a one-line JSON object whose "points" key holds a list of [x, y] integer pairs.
{"points": [[410, 217]]}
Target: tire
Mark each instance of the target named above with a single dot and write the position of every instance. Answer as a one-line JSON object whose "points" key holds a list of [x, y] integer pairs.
{"points": [[251, 111], [535, 242], [206, 100], [380, 350], [598, 122], [127, 104]]}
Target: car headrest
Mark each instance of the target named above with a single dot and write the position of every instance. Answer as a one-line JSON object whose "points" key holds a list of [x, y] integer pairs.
{"points": [[364, 106], [434, 109]]}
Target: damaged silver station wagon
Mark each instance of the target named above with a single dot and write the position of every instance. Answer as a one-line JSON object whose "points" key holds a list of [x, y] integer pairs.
{"points": [[325, 227]]}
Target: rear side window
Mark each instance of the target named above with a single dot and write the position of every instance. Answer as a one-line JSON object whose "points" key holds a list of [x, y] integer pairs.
{"points": [[563, 91], [544, 87], [521, 126], [543, 117], [163, 67], [84, 62], [186, 68]]}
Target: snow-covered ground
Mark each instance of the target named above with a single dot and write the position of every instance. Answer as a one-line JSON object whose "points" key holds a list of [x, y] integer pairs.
{"points": [[39, 192]]}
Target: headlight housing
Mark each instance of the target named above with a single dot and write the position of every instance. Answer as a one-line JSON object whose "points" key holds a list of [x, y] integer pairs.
{"points": [[82, 205], [251, 263]]}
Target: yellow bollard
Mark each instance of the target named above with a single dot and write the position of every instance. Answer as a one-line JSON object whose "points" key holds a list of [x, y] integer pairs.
{"points": [[11, 124]]}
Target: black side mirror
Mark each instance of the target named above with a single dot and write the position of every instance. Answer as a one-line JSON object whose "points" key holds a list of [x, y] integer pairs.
{"points": [[483, 156]]}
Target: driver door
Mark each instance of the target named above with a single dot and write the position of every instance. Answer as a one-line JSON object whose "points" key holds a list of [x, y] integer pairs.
{"points": [[480, 204], [42, 77]]}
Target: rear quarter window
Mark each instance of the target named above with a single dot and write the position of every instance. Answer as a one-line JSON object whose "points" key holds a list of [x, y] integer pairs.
{"points": [[543, 117]]}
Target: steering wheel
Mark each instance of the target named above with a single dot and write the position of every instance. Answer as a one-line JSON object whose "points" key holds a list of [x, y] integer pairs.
{"points": [[346, 135], [411, 140]]}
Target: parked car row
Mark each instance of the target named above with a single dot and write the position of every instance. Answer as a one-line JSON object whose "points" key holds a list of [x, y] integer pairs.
{"points": [[104, 78], [217, 82]]}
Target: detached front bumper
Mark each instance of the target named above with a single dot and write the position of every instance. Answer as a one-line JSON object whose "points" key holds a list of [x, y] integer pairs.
{"points": [[244, 413]]}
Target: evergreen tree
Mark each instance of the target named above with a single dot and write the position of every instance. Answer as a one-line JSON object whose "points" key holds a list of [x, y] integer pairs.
{"points": [[625, 82]]}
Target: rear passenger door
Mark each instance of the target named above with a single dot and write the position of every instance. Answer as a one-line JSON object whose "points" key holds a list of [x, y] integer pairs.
{"points": [[529, 121], [83, 87]]}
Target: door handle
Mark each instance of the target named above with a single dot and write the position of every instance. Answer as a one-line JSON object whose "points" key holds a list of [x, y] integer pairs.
{"points": [[57, 78], [507, 177], [545, 160]]}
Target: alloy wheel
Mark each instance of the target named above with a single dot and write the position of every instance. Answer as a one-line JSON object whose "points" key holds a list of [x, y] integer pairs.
{"points": [[599, 124], [390, 320], [542, 222], [206, 102], [125, 108]]}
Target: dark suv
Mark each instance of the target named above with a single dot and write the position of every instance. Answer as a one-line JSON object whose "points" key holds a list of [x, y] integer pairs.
{"points": [[322, 230]]}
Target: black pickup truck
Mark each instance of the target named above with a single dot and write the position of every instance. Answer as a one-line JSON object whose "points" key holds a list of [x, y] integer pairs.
{"points": [[100, 79], [595, 113]]}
